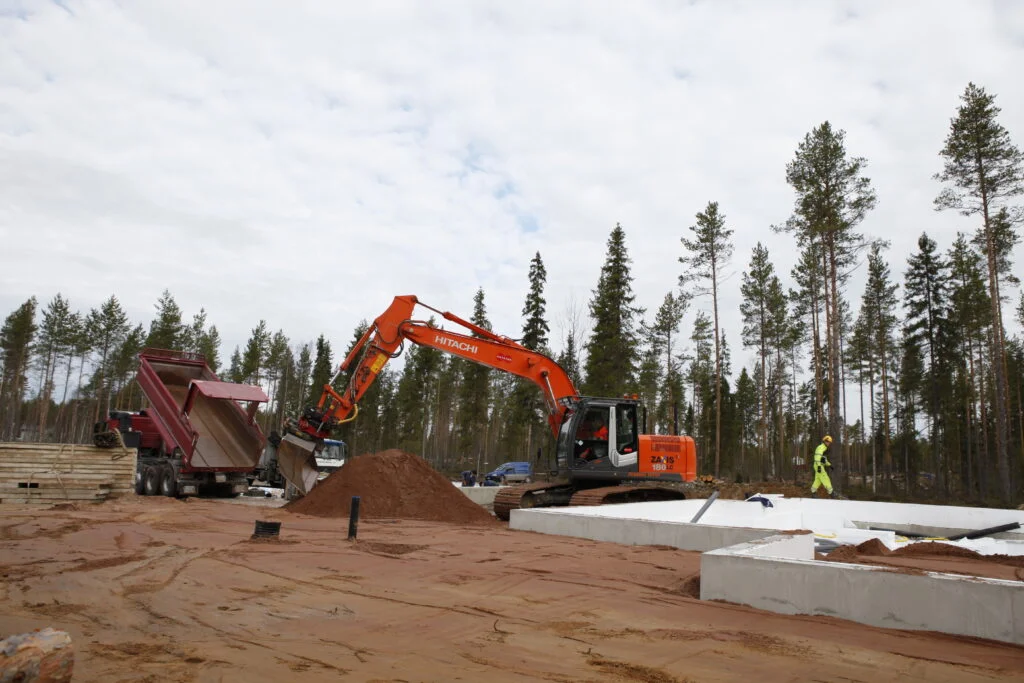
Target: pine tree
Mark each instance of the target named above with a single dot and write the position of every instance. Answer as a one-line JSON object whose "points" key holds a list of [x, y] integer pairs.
{"points": [[235, 373], [255, 355], [746, 406], [666, 324], [167, 331], [300, 387], [107, 328], [16, 338], [832, 197], [701, 377], [613, 347], [983, 169], [209, 346], [970, 315], [55, 339], [703, 259]]}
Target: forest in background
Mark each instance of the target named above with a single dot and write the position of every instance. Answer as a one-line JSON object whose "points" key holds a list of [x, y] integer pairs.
{"points": [[915, 377]]}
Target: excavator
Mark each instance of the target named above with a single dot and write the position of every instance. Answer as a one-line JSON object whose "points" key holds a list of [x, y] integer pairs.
{"points": [[601, 455]]}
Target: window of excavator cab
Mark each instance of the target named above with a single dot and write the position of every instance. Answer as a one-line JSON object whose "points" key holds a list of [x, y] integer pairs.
{"points": [[594, 425], [625, 428]]}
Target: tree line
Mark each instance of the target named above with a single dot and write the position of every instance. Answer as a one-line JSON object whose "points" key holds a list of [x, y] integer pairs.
{"points": [[915, 378]]}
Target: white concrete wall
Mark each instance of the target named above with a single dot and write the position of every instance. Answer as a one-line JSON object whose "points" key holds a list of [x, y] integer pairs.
{"points": [[681, 535], [482, 495], [749, 575], [838, 519]]}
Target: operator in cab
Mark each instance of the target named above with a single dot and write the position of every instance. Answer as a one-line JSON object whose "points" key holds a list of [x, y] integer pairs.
{"points": [[593, 429]]}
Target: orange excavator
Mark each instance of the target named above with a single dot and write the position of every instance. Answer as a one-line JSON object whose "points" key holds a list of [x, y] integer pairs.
{"points": [[602, 456]]}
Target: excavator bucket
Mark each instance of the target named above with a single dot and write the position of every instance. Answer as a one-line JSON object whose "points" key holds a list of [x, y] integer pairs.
{"points": [[297, 462]]}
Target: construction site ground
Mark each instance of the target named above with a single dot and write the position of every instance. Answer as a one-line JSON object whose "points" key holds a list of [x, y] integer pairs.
{"points": [[153, 589]]}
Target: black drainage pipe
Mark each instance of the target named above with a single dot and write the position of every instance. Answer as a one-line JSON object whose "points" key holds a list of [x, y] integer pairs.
{"points": [[266, 529], [353, 518]]}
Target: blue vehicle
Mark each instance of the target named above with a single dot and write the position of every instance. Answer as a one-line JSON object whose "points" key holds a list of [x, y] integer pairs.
{"points": [[509, 473]]}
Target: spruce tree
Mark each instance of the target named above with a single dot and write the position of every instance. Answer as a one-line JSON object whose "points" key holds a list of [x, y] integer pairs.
{"points": [[878, 308], [757, 328], [613, 348], [984, 170], [474, 393], [323, 369], [523, 424], [535, 326], [926, 299]]}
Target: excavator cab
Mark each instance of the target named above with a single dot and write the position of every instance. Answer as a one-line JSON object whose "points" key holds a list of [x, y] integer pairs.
{"points": [[600, 435]]}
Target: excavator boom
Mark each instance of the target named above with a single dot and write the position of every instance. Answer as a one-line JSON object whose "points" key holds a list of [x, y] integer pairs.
{"points": [[384, 340]]}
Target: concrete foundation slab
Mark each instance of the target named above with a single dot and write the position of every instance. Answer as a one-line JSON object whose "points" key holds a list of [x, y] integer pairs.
{"points": [[779, 574]]}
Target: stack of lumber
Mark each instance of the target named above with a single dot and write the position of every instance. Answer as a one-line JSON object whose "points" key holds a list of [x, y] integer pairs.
{"points": [[51, 473]]}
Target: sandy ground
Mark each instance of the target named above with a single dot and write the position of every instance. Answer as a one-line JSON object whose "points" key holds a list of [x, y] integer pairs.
{"points": [[158, 590]]}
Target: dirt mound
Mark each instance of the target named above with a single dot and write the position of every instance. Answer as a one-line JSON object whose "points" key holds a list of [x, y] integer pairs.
{"points": [[932, 549], [391, 484], [844, 553], [936, 550], [873, 548]]}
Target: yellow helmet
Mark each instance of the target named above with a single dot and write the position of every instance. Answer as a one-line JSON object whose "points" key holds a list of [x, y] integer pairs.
{"points": [[827, 439]]}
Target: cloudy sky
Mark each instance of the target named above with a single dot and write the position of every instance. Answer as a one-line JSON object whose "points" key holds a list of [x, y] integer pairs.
{"points": [[304, 162]]}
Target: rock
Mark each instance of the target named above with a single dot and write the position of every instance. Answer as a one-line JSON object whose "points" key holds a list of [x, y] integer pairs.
{"points": [[45, 656]]}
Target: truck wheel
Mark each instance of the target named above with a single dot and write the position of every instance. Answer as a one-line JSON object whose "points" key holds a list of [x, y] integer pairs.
{"points": [[140, 482], [504, 480], [168, 483], [151, 481]]}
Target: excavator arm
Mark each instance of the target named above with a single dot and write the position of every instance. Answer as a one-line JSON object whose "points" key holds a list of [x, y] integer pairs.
{"points": [[384, 340]]}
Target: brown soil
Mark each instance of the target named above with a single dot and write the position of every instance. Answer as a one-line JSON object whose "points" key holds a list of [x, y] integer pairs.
{"points": [[930, 556], [416, 601], [391, 484]]}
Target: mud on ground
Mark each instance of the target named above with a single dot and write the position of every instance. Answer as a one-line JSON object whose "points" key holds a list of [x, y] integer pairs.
{"points": [[158, 590]]}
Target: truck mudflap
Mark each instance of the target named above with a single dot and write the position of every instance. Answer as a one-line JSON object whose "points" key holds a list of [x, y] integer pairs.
{"points": [[297, 462]]}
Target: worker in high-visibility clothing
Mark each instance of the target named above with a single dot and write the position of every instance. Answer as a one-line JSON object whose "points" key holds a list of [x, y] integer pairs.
{"points": [[820, 464]]}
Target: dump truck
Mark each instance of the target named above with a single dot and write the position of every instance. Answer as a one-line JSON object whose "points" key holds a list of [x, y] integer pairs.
{"points": [[195, 436]]}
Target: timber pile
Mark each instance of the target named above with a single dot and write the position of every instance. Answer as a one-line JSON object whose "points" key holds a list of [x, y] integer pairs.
{"points": [[51, 473]]}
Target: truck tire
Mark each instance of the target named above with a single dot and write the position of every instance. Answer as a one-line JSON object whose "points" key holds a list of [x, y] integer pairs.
{"points": [[151, 482], [140, 482], [168, 482]]}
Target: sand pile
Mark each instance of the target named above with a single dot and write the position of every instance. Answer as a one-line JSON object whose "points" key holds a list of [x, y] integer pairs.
{"points": [[391, 484]]}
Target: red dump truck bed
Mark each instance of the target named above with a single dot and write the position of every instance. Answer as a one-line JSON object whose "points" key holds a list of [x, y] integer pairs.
{"points": [[195, 412]]}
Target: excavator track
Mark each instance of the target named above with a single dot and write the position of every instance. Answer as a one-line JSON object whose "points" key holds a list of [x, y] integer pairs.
{"points": [[609, 495], [539, 494]]}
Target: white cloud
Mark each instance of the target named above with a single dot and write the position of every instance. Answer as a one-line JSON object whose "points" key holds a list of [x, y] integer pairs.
{"points": [[305, 165]]}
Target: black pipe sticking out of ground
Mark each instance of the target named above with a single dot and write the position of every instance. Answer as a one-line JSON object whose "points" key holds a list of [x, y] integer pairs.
{"points": [[353, 518], [981, 533]]}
